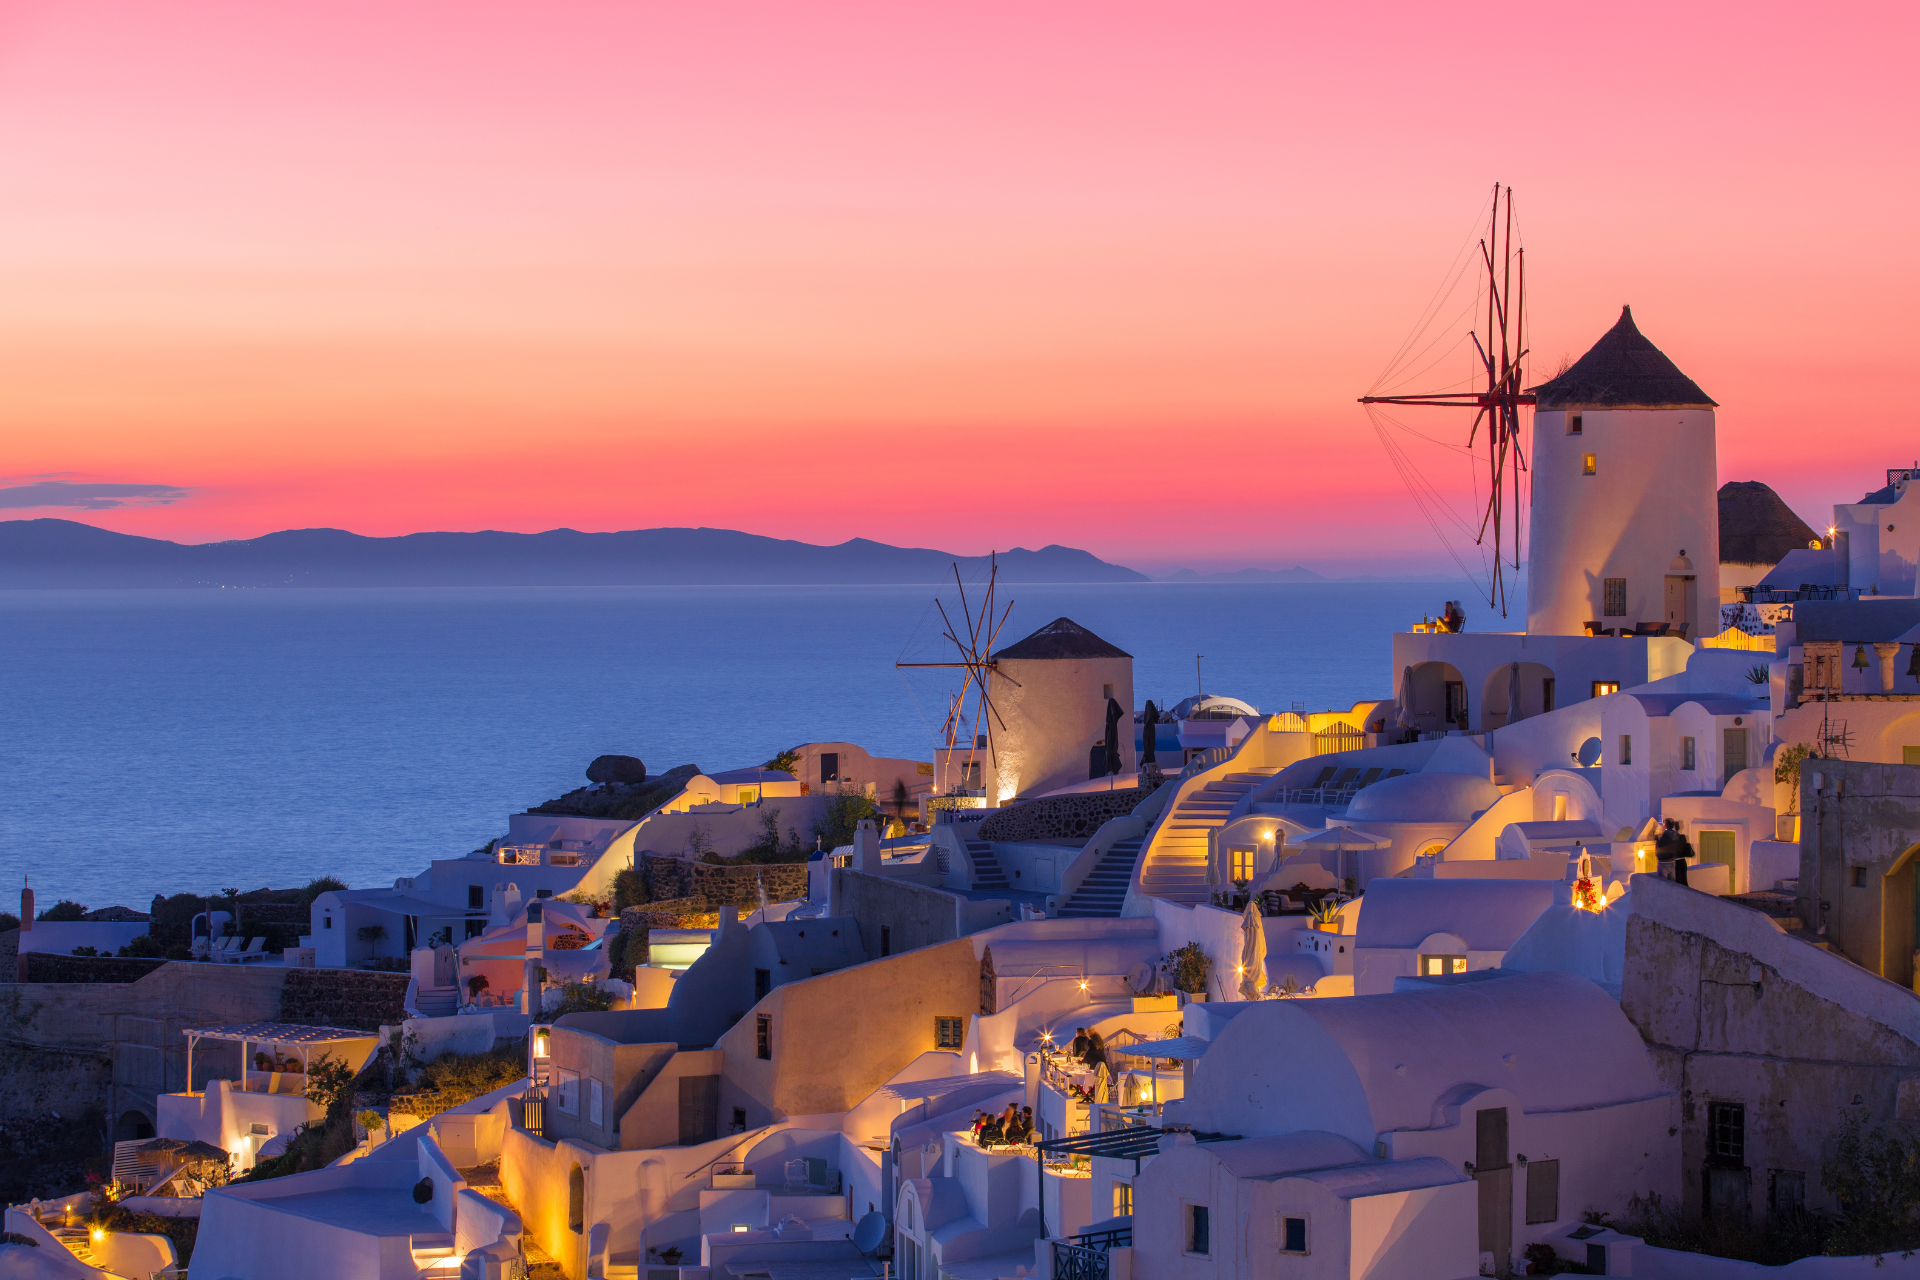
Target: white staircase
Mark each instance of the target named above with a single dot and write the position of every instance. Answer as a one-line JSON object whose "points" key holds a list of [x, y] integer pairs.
{"points": [[437, 1002], [1175, 864]]}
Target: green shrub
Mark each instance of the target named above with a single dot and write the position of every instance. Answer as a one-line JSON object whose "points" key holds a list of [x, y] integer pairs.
{"points": [[630, 889], [1875, 1176], [8, 921], [65, 909], [145, 946], [453, 1080], [845, 809], [1187, 968], [325, 884]]}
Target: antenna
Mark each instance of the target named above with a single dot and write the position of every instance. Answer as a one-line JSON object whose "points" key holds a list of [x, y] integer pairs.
{"points": [[1499, 355]]}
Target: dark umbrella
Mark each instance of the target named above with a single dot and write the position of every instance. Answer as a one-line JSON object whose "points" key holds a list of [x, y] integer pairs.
{"points": [[1113, 736], [1148, 754]]}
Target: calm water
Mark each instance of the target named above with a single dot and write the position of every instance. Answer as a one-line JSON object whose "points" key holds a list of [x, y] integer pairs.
{"points": [[196, 740]]}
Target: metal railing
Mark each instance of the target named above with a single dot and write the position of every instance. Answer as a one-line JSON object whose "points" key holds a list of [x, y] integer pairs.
{"points": [[1084, 1257]]}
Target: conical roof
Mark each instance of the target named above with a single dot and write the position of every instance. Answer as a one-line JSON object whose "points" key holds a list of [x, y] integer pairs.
{"points": [[1624, 371], [1756, 527], [1062, 638]]}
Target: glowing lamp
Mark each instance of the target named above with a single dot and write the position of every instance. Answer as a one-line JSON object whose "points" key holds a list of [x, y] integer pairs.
{"points": [[740, 1227], [1083, 984], [99, 1235]]}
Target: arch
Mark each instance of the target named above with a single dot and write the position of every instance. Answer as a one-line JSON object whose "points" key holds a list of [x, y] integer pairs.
{"points": [[1432, 699], [1899, 931], [1902, 732], [133, 1125], [1537, 693], [576, 1198]]}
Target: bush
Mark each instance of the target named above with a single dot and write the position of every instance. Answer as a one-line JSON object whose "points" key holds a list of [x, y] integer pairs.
{"points": [[768, 848], [787, 761], [65, 909], [325, 884], [8, 921], [144, 946], [630, 889], [1875, 1176], [452, 1080], [845, 809], [1187, 968]]}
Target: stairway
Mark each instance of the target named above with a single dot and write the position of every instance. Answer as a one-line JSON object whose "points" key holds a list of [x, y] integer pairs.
{"points": [[79, 1243], [1104, 891], [433, 1253], [987, 871], [1176, 866], [437, 1002]]}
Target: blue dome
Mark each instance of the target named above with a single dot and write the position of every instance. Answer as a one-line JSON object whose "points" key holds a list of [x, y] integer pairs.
{"points": [[1424, 797]]}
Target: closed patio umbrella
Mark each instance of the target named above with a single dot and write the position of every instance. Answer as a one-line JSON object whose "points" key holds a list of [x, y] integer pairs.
{"points": [[1253, 951], [1404, 715]]}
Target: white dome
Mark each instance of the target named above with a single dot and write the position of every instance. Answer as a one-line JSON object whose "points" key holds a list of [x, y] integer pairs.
{"points": [[1423, 797]]}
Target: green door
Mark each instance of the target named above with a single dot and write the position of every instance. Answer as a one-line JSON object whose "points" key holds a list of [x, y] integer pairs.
{"points": [[1717, 846]]}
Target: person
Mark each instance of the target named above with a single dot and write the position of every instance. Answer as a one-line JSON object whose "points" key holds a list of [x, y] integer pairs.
{"points": [[1096, 1050], [1079, 1050], [1026, 1124], [992, 1134], [979, 1123], [1010, 1122]]}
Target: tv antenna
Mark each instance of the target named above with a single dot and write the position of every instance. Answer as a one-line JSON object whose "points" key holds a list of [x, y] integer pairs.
{"points": [[1499, 392], [972, 707]]}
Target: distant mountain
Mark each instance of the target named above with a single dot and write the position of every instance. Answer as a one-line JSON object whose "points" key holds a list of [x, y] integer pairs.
{"points": [[63, 553], [1295, 574]]}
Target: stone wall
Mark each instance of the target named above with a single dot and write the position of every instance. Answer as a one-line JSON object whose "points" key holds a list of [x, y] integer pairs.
{"points": [[1074, 817], [724, 886], [353, 998], [47, 967]]}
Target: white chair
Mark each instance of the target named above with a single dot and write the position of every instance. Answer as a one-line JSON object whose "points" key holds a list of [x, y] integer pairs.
{"points": [[256, 950]]}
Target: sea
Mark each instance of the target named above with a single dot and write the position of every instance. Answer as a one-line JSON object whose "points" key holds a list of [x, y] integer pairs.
{"points": [[199, 740]]}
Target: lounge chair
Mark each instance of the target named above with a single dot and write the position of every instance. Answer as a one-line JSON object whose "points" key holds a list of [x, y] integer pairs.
{"points": [[220, 947], [255, 950]]}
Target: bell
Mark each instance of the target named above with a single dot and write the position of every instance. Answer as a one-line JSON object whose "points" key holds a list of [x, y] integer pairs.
{"points": [[1859, 657], [1913, 663]]}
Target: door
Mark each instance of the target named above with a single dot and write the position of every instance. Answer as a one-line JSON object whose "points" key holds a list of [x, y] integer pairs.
{"points": [[1456, 703], [1676, 599], [1733, 753], [445, 966], [1717, 846], [699, 1109], [1495, 1176]]}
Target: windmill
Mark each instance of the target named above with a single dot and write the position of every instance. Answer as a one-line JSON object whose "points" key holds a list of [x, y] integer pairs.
{"points": [[1496, 398], [971, 707]]}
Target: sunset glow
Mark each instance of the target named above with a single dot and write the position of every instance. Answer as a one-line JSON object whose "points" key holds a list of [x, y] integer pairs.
{"points": [[798, 269]]}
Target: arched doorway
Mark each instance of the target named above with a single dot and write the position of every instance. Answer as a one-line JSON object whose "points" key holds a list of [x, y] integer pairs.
{"points": [[1537, 693], [1439, 697], [132, 1126], [1899, 929]]}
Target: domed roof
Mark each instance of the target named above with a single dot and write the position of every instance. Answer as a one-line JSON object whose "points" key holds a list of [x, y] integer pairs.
{"points": [[1423, 797]]}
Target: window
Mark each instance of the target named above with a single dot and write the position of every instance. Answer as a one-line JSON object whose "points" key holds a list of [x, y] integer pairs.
{"points": [[1293, 1235], [886, 940], [1123, 1199], [829, 766], [1857, 878], [762, 983], [1199, 1237], [1613, 596], [1689, 757], [1546, 695], [594, 1112], [1456, 701], [259, 1130], [1242, 865], [543, 893], [949, 1033], [739, 1119], [476, 897], [1543, 1191], [1626, 748], [1786, 1193], [1575, 427], [475, 928], [1434, 966], [1106, 691], [566, 1091], [763, 1037], [1726, 1133], [1601, 688], [327, 921], [1588, 465], [576, 1198]]}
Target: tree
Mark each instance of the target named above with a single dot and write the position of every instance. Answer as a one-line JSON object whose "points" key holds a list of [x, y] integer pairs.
{"points": [[1875, 1176], [330, 1084], [845, 810], [65, 909], [324, 884], [787, 761]]}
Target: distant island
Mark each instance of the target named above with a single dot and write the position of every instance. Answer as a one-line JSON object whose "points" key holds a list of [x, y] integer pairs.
{"points": [[64, 553]]}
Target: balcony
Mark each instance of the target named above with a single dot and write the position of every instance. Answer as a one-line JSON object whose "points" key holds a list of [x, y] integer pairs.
{"points": [[1084, 1257]]}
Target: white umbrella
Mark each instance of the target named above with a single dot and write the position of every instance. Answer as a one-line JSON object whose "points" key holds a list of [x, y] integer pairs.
{"points": [[1514, 714], [1342, 839], [1253, 951], [1404, 715]]}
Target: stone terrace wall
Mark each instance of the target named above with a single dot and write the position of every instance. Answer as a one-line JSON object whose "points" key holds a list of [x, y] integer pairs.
{"points": [[725, 886], [355, 998], [43, 966], [1074, 817]]}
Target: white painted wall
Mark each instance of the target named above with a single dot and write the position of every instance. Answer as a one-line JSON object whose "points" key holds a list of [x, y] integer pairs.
{"points": [[1654, 494], [1053, 711]]}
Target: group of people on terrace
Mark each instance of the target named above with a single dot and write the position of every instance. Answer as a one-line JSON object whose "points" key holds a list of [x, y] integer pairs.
{"points": [[1010, 1128]]}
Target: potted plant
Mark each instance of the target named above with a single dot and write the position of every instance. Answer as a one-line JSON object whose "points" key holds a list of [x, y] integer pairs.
{"points": [[1187, 970], [671, 1255]]}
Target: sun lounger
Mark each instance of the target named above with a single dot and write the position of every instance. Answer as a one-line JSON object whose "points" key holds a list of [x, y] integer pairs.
{"points": [[255, 950]]}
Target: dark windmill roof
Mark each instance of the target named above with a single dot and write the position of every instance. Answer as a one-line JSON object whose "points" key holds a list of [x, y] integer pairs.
{"points": [[1756, 527], [1623, 370], [1062, 638]]}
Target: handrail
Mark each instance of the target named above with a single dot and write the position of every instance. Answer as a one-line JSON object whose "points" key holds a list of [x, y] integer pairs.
{"points": [[745, 1139]]}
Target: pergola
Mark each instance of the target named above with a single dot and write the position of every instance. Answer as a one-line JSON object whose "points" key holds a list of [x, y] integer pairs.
{"points": [[279, 1034]]}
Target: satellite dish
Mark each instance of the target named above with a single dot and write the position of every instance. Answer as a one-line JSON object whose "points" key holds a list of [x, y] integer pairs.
{"points": [[1140, 977], [1590, 753], [871, 1231]]}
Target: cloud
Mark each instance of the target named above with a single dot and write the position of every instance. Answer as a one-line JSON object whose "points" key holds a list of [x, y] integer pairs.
{"points": [[88, 497]]}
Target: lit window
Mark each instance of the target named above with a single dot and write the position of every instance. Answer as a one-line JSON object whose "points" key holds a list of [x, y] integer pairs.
{"points": [[1242, 866], [1293, 1231], [949, 1033], [1601, 688], [1588, 465], [1434, 966], [1123, 1199]]}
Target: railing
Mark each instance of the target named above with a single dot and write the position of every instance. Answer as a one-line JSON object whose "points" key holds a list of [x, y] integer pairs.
{"points": [[1207, 759], [533, 1111], [1084, 1257]]}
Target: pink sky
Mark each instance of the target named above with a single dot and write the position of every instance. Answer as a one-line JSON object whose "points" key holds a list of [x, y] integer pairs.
{"points": [[1109, 275]]}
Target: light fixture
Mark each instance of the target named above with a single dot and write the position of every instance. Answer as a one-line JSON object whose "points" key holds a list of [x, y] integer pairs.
{"points": [[1083, 984], [740, 1227]]}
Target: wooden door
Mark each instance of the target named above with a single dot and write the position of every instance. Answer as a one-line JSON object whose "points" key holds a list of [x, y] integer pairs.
{"points": [[1733, 753], [1496, 1216], [699, 1109], [1676, 600]]}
